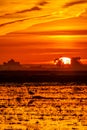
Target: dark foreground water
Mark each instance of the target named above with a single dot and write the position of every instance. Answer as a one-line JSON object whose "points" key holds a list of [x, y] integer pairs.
{"points": [[45, 106]]}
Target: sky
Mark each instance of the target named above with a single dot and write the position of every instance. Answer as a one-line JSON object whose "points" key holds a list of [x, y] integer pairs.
{"points": [[38, 31]]}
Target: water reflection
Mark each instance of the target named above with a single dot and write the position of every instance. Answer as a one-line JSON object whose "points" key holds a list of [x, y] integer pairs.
{"points": [[50, 107]]}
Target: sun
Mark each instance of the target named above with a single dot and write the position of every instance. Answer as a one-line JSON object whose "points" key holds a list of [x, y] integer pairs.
{"points": [[65, 60]]}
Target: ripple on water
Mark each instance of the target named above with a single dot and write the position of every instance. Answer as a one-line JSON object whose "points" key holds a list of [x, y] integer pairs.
{"points": [[43, 106]]}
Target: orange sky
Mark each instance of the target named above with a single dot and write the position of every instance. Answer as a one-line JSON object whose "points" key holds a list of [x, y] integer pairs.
{"points": [[38, 31]]}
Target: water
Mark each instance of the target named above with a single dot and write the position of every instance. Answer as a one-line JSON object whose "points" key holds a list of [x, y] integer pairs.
{"points": [[43, 106]]}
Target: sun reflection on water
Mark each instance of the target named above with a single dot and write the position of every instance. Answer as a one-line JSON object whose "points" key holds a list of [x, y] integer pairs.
{"points": [[43, 107]]}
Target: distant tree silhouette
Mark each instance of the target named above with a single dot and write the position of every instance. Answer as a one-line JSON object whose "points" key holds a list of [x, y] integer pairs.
{"points": [[75, 61], [58, 62], [11, 63]]}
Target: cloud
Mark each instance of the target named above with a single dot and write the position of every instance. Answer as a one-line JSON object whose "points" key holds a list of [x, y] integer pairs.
{"points": [[60, 32], [72, 3], [35, 8], [17, 14], [42, 3], [84, 14], [9, 23], [23, 23], [22, 20], [20, 14]]}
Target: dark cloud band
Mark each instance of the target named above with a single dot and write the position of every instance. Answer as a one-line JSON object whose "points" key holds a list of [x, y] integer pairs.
{"points": [[16, 21], [22, 20], [37, 7], [74, 3], [42, 3]]}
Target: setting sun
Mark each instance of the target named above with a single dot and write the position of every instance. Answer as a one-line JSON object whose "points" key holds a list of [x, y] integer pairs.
{"points": [[65, 60]]}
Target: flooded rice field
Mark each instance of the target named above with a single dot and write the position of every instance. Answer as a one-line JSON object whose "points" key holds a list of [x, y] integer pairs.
{"points": [[43, 106]]}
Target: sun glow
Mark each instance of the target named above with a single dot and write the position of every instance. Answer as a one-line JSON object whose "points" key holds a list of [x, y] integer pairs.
{"points": [[65, 60]]}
